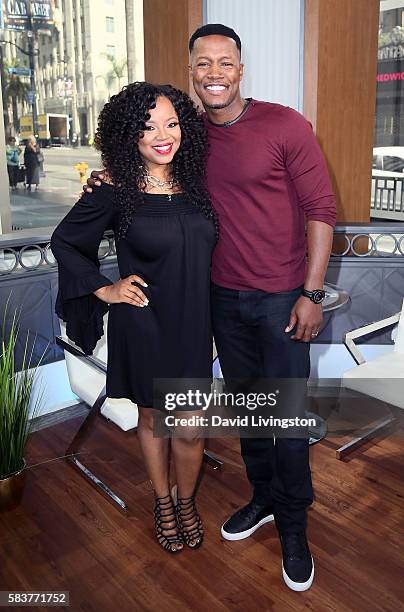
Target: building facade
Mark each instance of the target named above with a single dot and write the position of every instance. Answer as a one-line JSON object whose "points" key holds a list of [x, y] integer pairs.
{"points": [[82, 60], [389, 129]]}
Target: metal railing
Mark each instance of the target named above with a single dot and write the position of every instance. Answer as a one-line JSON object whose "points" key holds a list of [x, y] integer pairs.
{"points": [[387, 197], [24, 252], [28, 252], [369, 240], [367, 263]]}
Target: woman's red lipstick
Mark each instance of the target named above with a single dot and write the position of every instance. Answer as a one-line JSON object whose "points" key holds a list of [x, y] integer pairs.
{"points": [[164, 149]]}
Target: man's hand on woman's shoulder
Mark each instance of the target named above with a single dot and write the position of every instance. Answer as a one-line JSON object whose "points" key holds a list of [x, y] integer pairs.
{"points": [[95, 179]]}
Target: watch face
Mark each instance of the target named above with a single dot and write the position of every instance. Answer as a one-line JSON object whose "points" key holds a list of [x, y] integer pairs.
{"points": [[318, 296]]}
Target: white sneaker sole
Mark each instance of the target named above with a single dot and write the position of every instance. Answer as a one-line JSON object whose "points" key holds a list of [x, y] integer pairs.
{"points": [[298, 586], [241, 535]]}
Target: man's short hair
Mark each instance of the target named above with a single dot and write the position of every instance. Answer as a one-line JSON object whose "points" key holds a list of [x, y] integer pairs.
{"points": [[211, 29]]}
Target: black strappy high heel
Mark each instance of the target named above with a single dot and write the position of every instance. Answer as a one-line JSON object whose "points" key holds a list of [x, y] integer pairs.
{"points": [[165, 521], [189, 522]]}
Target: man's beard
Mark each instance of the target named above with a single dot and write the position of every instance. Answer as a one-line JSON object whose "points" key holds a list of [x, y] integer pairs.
{"points": [[217, 106]]}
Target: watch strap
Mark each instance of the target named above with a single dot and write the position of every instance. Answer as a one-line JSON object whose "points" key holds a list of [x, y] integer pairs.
{"points": [[317, 295]]}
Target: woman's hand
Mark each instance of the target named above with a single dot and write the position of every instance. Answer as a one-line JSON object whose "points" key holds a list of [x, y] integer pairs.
{"points": [[124, 291]]}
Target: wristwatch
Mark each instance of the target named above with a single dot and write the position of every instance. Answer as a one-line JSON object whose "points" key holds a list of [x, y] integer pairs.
{"points": [[317, 295]]}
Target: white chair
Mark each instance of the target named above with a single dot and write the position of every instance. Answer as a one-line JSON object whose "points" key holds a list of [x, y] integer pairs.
{"points": [[87, 377], [381, 377], [87, 381]]}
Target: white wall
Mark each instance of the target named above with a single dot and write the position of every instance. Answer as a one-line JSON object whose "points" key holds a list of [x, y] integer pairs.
{"points": [[5, 211], [271, 33], [330, 361], [388, 5], [52, 387]]}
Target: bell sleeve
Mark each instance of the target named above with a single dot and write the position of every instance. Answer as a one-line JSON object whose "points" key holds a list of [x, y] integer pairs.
{"points": [[75, 243]]}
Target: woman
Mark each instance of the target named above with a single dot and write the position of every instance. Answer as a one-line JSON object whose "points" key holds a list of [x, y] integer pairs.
{"points": [[32, 161], [13, 162], [153, 146]]}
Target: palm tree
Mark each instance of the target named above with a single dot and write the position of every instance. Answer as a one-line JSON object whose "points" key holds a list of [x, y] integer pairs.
{"points": [[3, 78], [15, 90], [394, 36], [118, 70]]}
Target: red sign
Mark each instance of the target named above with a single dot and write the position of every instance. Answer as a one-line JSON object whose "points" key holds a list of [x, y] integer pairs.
{"points": [[390, 76]]}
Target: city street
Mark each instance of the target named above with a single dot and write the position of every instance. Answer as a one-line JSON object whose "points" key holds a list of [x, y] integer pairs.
{"points": [[58, 190]]}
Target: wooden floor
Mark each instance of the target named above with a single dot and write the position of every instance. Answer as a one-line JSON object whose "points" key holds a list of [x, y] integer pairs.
{"points": [[66, 536]]}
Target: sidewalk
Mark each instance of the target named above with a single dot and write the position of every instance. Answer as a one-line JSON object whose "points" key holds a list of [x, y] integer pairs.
{"points": [[58, 190]]}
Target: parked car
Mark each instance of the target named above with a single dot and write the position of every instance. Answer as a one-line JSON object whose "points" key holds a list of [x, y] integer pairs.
{"points": [[388, 159]]}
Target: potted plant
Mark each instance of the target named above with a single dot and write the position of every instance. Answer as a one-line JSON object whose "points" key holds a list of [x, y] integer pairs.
{"points": [[15, 412]]}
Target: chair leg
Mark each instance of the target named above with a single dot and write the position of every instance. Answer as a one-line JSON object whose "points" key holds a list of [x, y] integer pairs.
{"points": [[97, 483], [101, 487], [212, 460], [87, 424], [74, 447], [353, 444]]}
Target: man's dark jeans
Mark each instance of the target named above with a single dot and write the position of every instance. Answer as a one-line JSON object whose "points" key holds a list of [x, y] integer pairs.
{"points": [[250, 339]]}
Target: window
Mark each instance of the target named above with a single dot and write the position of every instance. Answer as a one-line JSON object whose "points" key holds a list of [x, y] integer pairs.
{"points": [[109, 22], [80, 69], [389, 122], [393, 164], [390, 85]]}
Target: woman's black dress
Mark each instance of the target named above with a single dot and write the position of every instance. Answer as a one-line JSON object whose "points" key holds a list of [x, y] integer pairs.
{"points": [[32, 163], [169, 245]]}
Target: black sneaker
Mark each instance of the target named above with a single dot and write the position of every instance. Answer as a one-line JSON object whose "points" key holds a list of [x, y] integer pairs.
{"points": [[297, 564], [246, 521]]}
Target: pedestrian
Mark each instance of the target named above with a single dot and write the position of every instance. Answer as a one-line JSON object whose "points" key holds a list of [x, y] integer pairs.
{"points": [[32, 161], [271, 190], [153, 145], [75, 140], [13, 162]]}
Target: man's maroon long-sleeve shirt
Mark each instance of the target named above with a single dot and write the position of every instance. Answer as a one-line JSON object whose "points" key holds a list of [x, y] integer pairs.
{"points": [[267, 177]]}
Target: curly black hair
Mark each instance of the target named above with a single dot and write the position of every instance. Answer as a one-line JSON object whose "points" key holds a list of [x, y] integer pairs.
{"points": [[120, 126]]}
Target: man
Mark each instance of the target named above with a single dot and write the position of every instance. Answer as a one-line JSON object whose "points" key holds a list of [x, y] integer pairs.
{"points": [[267, 178]]}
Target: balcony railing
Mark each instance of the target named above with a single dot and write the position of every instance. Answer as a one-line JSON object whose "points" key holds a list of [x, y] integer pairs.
{"points": [[387, 198], [25, 251], [369, 240], [367, 262]]}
